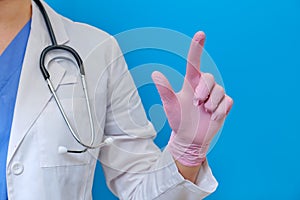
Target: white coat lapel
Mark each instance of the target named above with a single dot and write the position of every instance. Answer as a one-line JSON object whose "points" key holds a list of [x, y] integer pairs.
{"points": [[33, 93]]}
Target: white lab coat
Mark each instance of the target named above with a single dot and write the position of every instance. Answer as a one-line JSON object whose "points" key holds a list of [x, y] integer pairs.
{"points": [[134, 167]]}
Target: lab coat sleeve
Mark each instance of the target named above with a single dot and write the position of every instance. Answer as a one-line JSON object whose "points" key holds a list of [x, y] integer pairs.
{"points": [[134, 167]]}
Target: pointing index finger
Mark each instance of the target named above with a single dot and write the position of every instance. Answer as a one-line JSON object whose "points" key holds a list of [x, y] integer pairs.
{"points": [[193, 62]]}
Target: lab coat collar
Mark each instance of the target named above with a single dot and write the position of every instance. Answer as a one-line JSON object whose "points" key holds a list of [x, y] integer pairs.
{"points": [[33, 93]]}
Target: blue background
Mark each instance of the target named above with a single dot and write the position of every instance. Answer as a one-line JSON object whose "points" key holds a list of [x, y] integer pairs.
{"points": [[255, 44]]}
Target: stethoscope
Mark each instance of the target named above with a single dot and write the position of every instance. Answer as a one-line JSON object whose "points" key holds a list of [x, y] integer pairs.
{"points": [[46, 75]]}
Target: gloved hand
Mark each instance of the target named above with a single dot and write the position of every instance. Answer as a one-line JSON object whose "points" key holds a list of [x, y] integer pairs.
{"points": [[197, 112]]}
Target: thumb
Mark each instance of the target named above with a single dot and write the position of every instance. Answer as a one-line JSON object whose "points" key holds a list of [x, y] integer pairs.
{"points": [[164, 88]]}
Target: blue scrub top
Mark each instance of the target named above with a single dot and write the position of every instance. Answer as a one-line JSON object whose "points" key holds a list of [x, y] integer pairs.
{"points": [[11, 62]]}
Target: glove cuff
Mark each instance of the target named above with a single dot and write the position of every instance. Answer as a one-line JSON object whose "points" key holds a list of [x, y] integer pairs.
{"points": [[187, 154]]}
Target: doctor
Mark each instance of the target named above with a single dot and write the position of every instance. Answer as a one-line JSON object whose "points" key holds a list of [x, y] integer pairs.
{"points": [[32, 128]]}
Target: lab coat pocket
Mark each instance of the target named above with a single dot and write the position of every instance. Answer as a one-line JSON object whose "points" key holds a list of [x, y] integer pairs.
{"points": [[53, 133]]}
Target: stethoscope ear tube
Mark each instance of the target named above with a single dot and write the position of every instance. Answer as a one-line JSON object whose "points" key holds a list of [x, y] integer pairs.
{"points": [[61, 109]]}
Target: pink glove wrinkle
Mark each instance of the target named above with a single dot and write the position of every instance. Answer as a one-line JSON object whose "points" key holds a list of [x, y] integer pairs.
{"points": [[197, 112]]}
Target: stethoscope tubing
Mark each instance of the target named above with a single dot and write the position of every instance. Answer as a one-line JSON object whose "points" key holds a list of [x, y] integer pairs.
{"points": [[46, 75]]}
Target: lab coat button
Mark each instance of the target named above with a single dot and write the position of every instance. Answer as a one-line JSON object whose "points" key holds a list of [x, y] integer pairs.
{"points": [[17, 168]]}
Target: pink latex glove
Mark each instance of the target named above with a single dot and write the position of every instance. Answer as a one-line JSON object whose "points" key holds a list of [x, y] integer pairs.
{"points": [[197, 112]]}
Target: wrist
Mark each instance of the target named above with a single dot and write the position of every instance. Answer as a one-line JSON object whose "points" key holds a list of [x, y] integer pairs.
{"points": [[188, 172]]}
